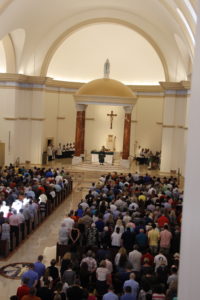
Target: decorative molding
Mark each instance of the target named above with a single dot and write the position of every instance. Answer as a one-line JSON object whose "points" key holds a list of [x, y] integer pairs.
{"points": [[37, 119], [20, 78], [23, 119], [174, 95], [171, 85], [182, 127], [182, 85], [168, 126], [186, 84], [65, 84], [146, 88], [172, 126], [55, 91], [10, 118], [47, 84], [22, 87], [80, 107], [128, 109], [107, 100], [150, 96]]}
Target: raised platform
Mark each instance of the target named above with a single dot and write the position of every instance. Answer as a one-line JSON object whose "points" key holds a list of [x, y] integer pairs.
{"points": [[88, 166]]}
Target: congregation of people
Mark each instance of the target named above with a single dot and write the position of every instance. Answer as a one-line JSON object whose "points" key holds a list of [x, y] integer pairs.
{"points": [[27, 197], [122, 242], [62, 151]]}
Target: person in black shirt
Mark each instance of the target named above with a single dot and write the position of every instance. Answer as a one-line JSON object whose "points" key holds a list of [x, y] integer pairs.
{"points": [[58, 294], [128, 239], [53, 271], [89, 197], [75, 292], [44, 292]]}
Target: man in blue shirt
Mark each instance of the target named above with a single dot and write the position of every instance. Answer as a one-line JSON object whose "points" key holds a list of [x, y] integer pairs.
{"points": [[110, 295], [133, 284], [141, 239], [31, 275], [127, 294], [39, 267]]}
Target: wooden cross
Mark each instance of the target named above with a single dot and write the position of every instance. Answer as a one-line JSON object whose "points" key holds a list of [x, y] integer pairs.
{"points": [[111, 115]]}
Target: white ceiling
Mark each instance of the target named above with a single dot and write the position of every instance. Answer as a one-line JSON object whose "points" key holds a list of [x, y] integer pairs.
{"points": [[82, 56], [46, 22]]}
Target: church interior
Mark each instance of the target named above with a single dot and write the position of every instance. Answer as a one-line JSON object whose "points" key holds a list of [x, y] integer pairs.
{"points": [[77, 77]]}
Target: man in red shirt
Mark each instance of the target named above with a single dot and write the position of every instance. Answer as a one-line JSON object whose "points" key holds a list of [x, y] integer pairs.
{"points": [[162, 220], [148, 255], [23, 289], [31, 295]]}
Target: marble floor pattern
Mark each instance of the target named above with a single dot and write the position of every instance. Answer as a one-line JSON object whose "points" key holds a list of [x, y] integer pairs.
{"points": [[44, 238]]}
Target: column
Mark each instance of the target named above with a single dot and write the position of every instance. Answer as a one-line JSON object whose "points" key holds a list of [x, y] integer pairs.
{"points": [[37, 126], [80, 133], [174, 126], [82, 142], [127, 135], [188, 287]]}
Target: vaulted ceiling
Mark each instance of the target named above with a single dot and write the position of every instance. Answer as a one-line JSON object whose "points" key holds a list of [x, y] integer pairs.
{"points": [[33, 31]]}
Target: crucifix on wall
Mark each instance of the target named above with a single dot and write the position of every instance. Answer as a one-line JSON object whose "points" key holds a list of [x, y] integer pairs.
{"points": [[111, 115]]}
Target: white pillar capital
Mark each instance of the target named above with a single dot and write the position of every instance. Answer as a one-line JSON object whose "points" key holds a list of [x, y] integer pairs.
{"points": [[128, 109], [80, 107]]}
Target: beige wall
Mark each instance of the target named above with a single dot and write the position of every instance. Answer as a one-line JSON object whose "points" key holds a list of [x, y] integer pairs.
{"points": [[7, 127], [145, 131], [51, 114], [149, 111], [59, 105]]}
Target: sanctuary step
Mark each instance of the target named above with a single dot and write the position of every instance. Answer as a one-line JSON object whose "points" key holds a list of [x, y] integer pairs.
{"points": [[87, 165]]}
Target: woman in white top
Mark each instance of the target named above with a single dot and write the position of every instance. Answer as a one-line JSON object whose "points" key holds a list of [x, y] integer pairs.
{"points": [[63, 235], [102, 275], [121, 252], [116, 238], [120, 225]]}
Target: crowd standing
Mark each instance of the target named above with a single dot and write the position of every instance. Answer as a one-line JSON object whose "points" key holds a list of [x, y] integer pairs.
{"points": [[122, 242], [24, 198]]}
